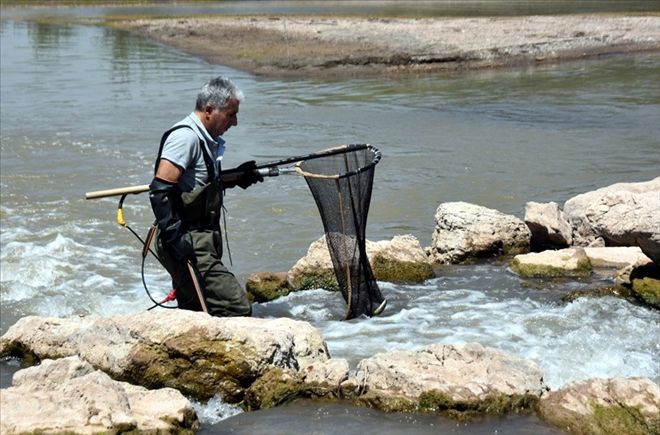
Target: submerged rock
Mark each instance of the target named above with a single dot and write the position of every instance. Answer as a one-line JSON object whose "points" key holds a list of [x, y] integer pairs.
{"points": [[464, 231], [456, 378], [191, 351], [400, 260], [605, 406], [69, 396]]}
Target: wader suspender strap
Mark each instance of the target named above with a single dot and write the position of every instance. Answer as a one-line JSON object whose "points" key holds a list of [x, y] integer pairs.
{"points": [[208, 160]]}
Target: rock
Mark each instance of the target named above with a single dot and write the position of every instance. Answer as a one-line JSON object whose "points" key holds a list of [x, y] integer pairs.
{"points": [[548, 225], [462, 377], [331, 372], [267, 286], [648, 290], [616, 257], [464, 231], [191, 351], [623, 214], [605, 406], [548, 264], [278, 386], [68, 396], [645, 284], [400, 260]]}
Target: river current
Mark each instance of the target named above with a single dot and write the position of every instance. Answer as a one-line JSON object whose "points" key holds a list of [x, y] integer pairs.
{"points": [[83, 108]]}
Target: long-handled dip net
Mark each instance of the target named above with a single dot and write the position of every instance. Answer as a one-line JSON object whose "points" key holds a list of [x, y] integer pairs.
{"points": [[340, 180]]}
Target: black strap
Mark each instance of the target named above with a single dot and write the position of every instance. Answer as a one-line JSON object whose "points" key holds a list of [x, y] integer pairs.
{"points": [[208, 160]]}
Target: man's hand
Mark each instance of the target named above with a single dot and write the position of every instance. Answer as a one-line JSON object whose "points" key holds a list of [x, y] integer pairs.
{"points": [[244, 176]]}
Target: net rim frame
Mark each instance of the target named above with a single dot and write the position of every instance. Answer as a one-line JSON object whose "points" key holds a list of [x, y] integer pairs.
{"points": [[341, 149]]}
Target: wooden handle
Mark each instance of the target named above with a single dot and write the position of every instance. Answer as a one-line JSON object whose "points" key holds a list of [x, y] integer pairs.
{"points": [[116, 192]]}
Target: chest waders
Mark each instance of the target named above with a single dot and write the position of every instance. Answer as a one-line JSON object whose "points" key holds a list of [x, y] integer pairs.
{"points": [[203, 284]]}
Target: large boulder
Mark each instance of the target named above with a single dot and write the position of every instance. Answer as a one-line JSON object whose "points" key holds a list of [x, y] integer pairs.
{"points": [[464, 231], [605, 406], [400, 260], [548, 225], [623, 214], [193, 352], [461, 377], [69, 396]]}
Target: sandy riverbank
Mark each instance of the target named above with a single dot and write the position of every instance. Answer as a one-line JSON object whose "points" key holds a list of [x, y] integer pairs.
{"points": [[308, 46]]}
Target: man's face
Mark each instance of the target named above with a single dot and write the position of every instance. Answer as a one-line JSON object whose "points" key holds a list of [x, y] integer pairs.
{"points": [[218, 121]]}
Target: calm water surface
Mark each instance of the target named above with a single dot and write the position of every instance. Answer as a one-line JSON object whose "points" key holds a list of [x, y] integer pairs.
{"points": [[83, 108]]}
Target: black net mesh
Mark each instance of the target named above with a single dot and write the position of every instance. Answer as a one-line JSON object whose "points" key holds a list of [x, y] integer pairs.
{"points": [[341, 184]]}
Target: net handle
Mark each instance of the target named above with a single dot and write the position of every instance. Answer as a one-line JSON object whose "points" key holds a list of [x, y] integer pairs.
{"points": [[339, 150], [328, 152]]}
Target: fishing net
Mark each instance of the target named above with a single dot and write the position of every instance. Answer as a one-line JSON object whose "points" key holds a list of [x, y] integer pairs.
{"points": [[341, 180]]}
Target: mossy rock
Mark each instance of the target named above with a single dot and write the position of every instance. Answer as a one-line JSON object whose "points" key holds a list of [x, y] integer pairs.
{"points": [[275, 387], [437, 401], [24, 353], [616, 291], [648, 290], [386, 403], [608, 420], [582, 269], [401, 272], [196, 366], [265, 287], [322, 278]]}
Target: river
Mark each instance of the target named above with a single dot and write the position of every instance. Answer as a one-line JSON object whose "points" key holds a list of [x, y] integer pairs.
{"points": [[83, 108]]}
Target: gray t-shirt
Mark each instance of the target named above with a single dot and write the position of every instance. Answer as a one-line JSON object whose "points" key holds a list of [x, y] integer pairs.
{"points": [[182, 147]]}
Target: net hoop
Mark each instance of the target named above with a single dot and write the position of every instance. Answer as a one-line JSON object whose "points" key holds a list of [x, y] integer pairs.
{"points": [[342, 149]]}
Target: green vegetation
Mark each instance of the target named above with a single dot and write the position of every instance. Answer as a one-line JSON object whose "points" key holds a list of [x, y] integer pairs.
{"points": [[197, 366]]}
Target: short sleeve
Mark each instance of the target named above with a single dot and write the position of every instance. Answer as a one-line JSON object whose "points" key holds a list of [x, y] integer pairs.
{"points": [[181, 148]]}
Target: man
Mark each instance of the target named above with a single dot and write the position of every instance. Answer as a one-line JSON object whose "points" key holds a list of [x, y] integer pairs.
{"points": [[186, 197]]}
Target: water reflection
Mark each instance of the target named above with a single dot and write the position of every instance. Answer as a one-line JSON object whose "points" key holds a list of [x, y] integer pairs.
{"points": [[435, 8]]}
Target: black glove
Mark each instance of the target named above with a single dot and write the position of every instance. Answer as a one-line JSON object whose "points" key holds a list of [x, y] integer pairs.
{"points": [[244, 176], [169, 223]]}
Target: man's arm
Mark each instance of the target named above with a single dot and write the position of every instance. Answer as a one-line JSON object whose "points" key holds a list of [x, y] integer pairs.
{"points": [[168, 171], [161, 191]]}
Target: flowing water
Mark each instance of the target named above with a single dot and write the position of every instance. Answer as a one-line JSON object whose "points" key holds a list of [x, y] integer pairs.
{"points": [[83, 108]]}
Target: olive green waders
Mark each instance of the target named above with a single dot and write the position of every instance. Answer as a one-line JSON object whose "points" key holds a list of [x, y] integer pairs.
{"points": [[222, 292]]}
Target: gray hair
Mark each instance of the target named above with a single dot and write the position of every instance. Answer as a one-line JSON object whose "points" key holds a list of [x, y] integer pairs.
{"points": [[217, 92]]}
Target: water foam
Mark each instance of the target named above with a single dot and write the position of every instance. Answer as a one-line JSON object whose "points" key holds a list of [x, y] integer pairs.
{"points": [[215, 410], [591, 337]]}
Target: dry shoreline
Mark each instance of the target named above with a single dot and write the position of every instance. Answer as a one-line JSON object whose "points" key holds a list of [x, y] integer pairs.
{"points": [[306, 46]]}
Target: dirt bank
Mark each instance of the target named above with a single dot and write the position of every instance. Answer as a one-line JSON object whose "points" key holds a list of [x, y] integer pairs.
{"points": [[308, 46]]}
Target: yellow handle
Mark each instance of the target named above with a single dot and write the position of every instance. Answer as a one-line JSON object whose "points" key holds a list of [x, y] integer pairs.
{"points": [[120, 217]]}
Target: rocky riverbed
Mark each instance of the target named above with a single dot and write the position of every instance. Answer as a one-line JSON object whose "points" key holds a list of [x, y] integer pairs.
{"points": [[345, 46], [115, 366]]}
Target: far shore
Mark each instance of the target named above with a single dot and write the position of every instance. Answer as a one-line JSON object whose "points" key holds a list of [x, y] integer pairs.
{"points": [[311, 46]]}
